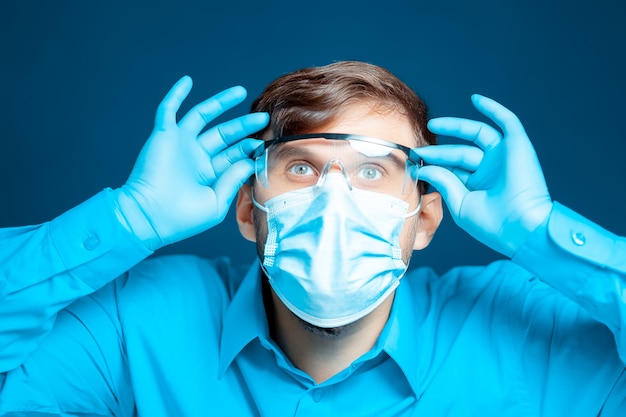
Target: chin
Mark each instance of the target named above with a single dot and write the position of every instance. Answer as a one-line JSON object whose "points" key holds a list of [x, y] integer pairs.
{"points": [[326, 332]]}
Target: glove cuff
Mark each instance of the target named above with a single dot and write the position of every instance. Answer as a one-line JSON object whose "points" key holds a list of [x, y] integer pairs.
{"points": [[131, 215]]}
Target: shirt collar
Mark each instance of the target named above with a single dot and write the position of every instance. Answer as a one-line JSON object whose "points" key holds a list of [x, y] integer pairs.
{"points": [[400, 336], [244, 320]]}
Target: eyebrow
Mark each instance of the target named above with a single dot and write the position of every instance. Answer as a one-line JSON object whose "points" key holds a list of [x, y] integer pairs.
{"points": [[285, 150], [290, 150]]}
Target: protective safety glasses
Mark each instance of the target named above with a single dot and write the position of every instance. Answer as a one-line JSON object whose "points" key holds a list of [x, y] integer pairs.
{"points": [[293, 162]]}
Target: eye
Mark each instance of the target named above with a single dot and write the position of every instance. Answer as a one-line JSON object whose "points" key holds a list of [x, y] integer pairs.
{"points": [[301, 169], [370, 173]]}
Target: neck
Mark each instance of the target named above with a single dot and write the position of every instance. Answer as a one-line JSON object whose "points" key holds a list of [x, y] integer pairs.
{"points": [[322, 353]]}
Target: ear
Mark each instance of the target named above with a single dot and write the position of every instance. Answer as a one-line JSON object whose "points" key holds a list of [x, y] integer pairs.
{"points": [[244, 209], [429, 219]]}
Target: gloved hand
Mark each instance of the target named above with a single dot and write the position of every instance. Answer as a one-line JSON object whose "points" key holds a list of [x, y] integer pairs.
{"points": [[184, 181], [496, 190]]}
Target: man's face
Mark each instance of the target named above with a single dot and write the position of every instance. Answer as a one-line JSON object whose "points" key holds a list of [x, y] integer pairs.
{"points": [[360, 119]]}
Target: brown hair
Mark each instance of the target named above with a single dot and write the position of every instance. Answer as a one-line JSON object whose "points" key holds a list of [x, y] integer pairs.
{"points": [[306, 99]]}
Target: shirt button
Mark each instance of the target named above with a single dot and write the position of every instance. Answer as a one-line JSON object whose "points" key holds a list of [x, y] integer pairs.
{"points": [[317, 395], [91, 242], [578, 238]]}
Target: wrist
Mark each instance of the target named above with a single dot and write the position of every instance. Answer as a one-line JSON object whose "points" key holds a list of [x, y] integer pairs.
{"points": [[526, 225], [132, 216]]}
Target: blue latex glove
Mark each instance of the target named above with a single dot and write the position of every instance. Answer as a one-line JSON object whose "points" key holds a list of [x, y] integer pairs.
{"points": [[496, 190], [184, 181]]}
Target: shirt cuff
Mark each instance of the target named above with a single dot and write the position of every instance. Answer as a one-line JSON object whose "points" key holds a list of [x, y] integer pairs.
{"points": [[568, 249], [92, 244]]}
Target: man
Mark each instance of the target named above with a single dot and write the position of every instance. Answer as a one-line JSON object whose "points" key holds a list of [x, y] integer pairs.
{"points": [[327, 324]]}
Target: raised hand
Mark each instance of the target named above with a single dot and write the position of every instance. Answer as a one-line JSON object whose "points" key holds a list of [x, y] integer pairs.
{"points": [[495, 189], [184, 181]]}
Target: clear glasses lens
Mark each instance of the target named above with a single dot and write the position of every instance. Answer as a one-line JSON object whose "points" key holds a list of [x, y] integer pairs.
{"points": [[291, 165]]}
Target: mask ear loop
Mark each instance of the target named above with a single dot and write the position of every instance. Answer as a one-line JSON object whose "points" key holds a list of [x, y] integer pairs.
{"points": [[419, 204], [416, 210], [259, 205]]}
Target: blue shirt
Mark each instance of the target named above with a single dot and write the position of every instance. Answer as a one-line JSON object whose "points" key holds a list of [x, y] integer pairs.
{"points": [[185, 336]]}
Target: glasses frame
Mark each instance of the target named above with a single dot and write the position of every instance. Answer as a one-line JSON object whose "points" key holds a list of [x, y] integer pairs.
{"points": [[410, 154], [339, 136]]}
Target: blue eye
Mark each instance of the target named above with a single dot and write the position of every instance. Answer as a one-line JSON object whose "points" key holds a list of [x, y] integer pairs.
{"points": [[301, 170], [370, 173]]}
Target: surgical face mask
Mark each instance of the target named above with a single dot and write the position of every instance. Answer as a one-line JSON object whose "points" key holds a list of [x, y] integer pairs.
{"points": [[332, 253]]}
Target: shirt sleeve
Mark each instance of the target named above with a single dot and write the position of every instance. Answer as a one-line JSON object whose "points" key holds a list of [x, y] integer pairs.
{"points": [[79, 369], [584, 262], [44, 268]]}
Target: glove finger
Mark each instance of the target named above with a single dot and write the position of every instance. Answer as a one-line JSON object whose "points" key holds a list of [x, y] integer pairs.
{"points": [[462, 156], [480, 133], [166, 112], [503, 117], [461, 174], [226, 134], [233, 154], [448, 184], [201, 114], [230, 182]]}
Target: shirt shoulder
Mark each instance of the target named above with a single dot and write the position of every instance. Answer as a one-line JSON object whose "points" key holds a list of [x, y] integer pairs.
{"points": [[185, 273], [178, 283], [499, 276]]}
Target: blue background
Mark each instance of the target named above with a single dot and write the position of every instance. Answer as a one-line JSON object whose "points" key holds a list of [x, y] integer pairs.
{"points": [[80, 82]]}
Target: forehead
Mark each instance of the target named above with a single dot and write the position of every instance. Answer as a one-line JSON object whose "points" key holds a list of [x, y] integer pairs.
{"points": [[367, 119], [375, 121]]}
